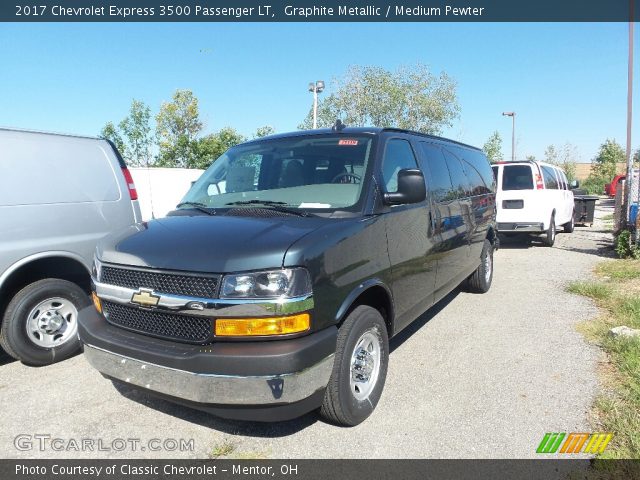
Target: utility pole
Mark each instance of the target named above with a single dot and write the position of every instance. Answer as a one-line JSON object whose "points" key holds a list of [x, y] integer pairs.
{"points": [[513, 133], [316, 88]]}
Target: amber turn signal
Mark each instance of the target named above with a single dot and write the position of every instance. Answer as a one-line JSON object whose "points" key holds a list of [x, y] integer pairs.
{"points": [[253, 327], [96, 302]]}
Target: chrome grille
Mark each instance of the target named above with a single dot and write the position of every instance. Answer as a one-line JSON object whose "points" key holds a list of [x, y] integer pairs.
{"points": [[183, 328], [162, 282]]}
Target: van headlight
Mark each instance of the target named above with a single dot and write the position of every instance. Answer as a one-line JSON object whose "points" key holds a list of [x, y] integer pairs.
{"points": [[286, 282]]}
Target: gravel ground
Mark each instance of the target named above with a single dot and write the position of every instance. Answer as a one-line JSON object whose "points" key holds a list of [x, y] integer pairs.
{"points": [[478, 376]]}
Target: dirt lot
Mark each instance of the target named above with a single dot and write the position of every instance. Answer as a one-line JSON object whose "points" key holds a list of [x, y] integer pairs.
{"points": [[478, 376]]}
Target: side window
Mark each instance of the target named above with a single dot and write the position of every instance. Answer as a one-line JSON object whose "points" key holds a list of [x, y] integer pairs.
{"points": [[550, 180], [398, 155], [563, 179], [475, 163], [458, 178], [437, 174]]}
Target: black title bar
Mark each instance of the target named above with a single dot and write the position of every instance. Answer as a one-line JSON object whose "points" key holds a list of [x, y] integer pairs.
{"points": [[319, 11]]}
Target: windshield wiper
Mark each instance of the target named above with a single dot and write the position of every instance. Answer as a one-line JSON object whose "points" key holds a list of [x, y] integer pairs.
{"points": [[198, 206], [274, 205]]}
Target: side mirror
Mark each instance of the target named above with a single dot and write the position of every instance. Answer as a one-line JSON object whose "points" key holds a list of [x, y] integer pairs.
{"points": [[574, 184], [411, 188]]}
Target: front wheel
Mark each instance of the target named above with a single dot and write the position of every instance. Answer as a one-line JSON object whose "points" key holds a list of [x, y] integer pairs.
{"points": [[359, 370], [569, 226], [480, 280], [40, 323]]}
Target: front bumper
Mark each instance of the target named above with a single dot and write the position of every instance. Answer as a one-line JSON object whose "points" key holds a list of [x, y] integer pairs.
{"points": [[272, 380]]}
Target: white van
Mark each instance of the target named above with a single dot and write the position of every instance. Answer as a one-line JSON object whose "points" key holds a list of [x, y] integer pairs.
{"points": [[533, 197], [59, 195]]}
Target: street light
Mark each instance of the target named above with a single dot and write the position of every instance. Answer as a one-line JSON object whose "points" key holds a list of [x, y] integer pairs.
{"points": [[513, 133], [316, 88]]}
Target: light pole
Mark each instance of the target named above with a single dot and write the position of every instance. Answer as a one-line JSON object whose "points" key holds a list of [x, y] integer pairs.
{"points": [[316, 88], [513, 133]]}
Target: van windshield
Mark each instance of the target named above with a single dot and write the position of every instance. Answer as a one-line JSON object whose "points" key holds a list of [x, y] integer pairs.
{"points": [[314, 172], [517, 177]]}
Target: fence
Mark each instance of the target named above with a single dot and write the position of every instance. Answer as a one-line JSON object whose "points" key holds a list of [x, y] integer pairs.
{"points": [[160, 189]]}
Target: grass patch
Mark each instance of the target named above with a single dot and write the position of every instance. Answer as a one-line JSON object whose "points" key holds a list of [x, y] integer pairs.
{"points": [[619, 269], [617, 293], [223, 449]]}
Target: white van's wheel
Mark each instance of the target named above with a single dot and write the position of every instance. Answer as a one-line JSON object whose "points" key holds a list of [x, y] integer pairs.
{"points": [[359, 369], [40, 324], [569, 226], [550, 238]]}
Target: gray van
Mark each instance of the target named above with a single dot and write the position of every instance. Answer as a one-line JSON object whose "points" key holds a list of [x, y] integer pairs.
{"points": [[274, 287], [59, 194]]}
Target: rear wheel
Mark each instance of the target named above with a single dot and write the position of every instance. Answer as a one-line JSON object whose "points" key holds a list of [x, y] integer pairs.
{"points": [[569, 226], [41, 322], [550, 238], [359, 370], [480, 280]]}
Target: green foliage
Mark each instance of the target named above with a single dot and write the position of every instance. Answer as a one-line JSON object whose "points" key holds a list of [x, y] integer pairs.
{"points": [[624, 246], [132, 136], [178, 125], [593, 185], [212, 146], [609, 155], [564, 157], [493, 147], [111, 132], [410, 98], [595, 290], [264, 131]]}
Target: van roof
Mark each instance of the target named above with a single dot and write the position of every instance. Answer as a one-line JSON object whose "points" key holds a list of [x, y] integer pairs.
{"points": [[361, 130], [530, 162], [42, 132]]}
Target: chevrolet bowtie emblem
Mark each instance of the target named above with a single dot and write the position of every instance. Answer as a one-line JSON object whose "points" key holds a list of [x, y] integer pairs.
{"points": [[145, 298]]}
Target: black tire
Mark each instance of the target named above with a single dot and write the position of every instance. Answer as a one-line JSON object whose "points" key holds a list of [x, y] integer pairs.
{"points": [[550, 237], [13, 334], [340, 404], [480, 280], [569, 226]]}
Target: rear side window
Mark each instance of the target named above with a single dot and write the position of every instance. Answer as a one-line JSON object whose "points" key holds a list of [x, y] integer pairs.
{"points": [[398, 155], [459, 180], [517, 177], [475, 163], [563, 179], [437, 174], [550, 180]]}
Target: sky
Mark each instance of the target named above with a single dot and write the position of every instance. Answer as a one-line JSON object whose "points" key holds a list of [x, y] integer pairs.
{"points": [[566, 82]]}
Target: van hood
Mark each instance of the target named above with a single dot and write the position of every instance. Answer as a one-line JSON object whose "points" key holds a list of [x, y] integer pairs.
{"points": [[214, 244]]}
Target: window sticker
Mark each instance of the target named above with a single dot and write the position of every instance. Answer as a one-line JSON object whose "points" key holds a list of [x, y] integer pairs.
{"points": [[348, 141]]}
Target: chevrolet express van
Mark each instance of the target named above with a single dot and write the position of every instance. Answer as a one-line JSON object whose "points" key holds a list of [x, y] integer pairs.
{"points": [[274, 287], [59, 194]]}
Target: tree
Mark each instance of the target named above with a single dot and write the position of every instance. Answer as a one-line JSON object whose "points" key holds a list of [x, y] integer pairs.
{"points": [[609, 155], [493, 147], [178, 125], [530, 158], [410, 98], [132, 136], [564, 158], [210, 147], [110, 132], [551, 155], [264, 131]]}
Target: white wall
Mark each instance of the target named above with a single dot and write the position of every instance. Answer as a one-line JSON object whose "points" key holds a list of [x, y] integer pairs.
{"points": [[160, 189]]}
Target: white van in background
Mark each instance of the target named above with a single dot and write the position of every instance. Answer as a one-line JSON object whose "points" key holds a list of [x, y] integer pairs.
{"points": [[533, 197], [59, 195]]}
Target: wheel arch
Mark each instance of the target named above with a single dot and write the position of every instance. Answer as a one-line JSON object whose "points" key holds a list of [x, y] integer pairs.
{"points": [[373, 293], [56, 264]]}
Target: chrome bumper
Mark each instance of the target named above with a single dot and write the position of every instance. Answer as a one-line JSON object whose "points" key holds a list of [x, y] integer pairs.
{"points": [[210, 388]]}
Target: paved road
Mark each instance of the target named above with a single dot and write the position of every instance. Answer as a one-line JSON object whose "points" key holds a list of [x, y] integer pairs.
{"points": [[477, 376]]}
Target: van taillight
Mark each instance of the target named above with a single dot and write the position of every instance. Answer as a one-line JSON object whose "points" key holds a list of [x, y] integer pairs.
{"points": [[539, 184], [133, 193]]}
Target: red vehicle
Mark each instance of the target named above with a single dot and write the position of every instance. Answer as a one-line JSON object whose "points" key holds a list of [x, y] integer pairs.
{"points": [[611, 188]]}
